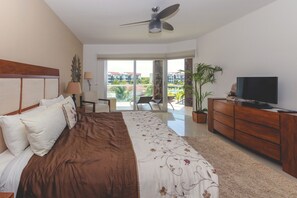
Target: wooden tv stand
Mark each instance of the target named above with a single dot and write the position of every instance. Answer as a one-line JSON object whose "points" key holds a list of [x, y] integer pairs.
{"points": [[263, 131]]}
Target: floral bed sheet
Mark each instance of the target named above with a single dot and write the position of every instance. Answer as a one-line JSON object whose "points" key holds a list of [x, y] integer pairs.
{"points": [[167, 165]]}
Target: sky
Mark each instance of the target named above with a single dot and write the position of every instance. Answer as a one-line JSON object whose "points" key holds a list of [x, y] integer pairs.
{"points": [[145, 67]]}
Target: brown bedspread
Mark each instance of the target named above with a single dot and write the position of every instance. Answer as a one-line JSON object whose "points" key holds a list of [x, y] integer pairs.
{"points": [[94, 159]]}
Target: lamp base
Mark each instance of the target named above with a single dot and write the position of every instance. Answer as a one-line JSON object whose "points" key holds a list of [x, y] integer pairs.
{"points": [[89, 85], [74, 99]]}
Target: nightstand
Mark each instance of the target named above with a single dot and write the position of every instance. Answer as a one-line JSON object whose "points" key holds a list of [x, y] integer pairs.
{"points": [[6, 195]]}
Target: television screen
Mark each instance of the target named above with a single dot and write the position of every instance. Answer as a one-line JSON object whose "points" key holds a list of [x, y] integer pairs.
{"points": [[263, 89]]}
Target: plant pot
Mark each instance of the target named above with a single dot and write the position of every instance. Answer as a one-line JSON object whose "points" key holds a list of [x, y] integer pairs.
{"points": [[199, 117]]}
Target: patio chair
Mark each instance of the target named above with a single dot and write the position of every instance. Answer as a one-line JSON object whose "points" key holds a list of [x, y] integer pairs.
{"points": [[91, 102], [169, 100], [144, 100]]}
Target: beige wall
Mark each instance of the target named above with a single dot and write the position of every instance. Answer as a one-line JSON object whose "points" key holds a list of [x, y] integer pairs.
{"points": [[262, 43], [91, 52], [31, 33]]}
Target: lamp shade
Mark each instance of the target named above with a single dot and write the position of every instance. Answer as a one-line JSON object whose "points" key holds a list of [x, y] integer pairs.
{"points": [[73, 88], [88, 75]]}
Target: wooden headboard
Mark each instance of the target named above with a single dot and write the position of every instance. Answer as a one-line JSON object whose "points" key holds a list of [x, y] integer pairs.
{"points": [[23, 85]]}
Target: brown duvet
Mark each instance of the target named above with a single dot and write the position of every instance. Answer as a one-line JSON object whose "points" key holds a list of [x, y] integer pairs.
{"points": [[94, 159]]}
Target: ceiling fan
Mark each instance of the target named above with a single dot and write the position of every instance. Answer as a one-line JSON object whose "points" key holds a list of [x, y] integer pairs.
{"points": [[155, 23]]}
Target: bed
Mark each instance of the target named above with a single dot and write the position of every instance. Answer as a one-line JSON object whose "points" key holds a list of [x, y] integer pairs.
{"points": [[128, 154]]}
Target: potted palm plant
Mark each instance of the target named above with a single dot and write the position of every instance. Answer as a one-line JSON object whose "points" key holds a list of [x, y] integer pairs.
{"points": [[202, 74]]}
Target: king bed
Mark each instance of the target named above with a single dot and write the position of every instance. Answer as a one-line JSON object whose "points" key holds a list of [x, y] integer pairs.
{"points": [[118, 154]]}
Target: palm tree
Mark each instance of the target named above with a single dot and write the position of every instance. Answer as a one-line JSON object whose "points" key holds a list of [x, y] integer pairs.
{"points": [[180, 95], [122, 94], [149, 90]]}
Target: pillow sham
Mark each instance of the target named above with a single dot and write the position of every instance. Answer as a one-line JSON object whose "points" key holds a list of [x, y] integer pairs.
{"points": [[68, 100], [44, 129], [33, 111], [14, 131], [70, 115], [49, 102]]}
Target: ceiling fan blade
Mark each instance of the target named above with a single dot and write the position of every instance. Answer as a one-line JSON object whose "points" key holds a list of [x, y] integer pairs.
{"points": [[139, 22], [167, 26], [167, 11]]}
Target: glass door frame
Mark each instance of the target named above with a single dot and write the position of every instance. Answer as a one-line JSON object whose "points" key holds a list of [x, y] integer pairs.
{"points": [[165, 77], [164, 82], [165, 86], [134, 84]]}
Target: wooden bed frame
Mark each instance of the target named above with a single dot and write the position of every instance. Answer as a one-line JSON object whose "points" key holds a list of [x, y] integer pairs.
{"points": [[15, 70]]}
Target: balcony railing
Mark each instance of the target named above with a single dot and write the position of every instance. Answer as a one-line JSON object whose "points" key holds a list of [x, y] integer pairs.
{"points": [[125, 92]]}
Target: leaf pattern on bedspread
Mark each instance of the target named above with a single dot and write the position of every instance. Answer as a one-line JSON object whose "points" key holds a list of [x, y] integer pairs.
{"points": [[171, 154]]}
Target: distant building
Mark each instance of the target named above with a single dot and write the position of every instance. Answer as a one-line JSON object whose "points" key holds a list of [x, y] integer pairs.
{"points": [[174, 77], [122, 76]]}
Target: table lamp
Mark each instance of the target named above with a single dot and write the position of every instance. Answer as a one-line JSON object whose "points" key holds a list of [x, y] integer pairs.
{"points": [[88, 76], [73, 88]]}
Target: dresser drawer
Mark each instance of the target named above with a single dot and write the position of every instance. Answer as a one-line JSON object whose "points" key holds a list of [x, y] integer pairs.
{"points": [[259, 131], [267, 118], [267, 148], [224, 119], [223, 129], [224, 107]]}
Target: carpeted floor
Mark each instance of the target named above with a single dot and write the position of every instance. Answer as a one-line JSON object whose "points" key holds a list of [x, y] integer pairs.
{"points": [[240, 175]]}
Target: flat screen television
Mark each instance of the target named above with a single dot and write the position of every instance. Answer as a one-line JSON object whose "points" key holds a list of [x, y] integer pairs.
{"points": [[259, 89]]}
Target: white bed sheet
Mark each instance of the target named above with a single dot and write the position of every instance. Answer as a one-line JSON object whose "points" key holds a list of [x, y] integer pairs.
{"points": [[10, 177], [5, 157]]}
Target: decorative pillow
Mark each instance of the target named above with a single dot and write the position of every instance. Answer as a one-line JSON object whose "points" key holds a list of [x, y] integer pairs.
{"points": [[44, 129], [14, 131], [70, 114], [68, 100], [49, 102]]}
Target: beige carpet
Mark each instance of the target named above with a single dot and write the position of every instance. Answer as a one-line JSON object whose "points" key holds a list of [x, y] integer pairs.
{"points": [[240, 175]]}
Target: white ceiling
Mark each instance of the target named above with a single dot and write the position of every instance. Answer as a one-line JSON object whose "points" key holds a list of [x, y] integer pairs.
{"points": [[98, 21]]}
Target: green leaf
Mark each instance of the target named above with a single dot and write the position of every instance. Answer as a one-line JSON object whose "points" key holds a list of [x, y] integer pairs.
{"points": [[202, 75]]}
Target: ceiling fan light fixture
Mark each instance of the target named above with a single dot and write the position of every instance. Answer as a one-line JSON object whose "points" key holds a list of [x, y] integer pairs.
{"points": [[155, 26]]}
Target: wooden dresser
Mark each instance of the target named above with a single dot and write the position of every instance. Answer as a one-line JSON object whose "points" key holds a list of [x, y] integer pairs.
{"points": [[289, 143], [266, 132]]}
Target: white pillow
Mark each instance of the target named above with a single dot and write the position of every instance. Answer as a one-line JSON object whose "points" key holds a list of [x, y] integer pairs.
{"points": [[70, 114], [14, 131], [44, 129], [49, 102]]}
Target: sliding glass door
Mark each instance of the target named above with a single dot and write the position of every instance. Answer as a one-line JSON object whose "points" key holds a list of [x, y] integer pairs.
{"points": [[120, 83], [175, 83], [149, 84], [135, 84], [144, 84]]}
